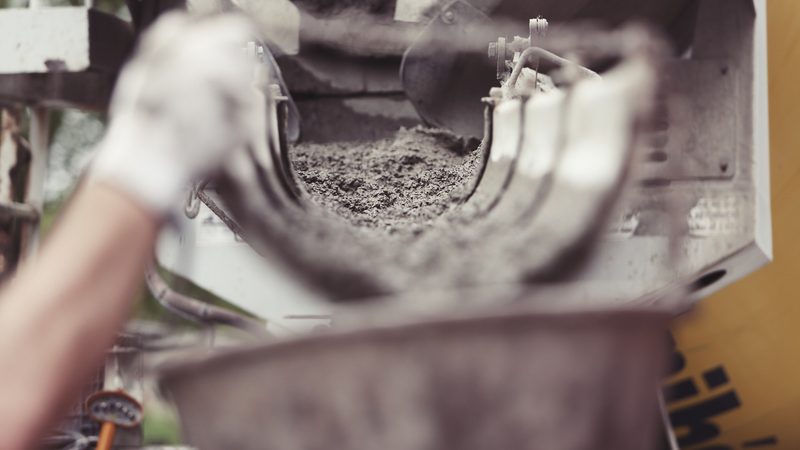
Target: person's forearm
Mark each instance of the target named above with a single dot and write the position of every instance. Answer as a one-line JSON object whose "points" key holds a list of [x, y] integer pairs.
{"points": [[65, 307]]}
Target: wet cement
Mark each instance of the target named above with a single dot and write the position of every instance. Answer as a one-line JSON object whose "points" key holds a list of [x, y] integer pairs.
{"points": [[398, 185], [385, 217]]}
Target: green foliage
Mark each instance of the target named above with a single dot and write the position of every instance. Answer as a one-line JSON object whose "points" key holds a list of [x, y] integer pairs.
{"points": [[160, 428]]}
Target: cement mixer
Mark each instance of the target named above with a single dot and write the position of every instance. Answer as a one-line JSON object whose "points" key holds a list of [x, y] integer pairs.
{"points": [[468, 225]]}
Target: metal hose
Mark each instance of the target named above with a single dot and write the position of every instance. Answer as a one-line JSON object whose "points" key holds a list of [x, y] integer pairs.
{"points": [[198, 310]]}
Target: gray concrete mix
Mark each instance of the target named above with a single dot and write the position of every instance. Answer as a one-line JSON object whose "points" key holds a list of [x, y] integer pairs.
{"points": [[396, 185]]}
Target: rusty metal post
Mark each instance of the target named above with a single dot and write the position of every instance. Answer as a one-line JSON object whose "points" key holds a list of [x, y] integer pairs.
{"points": [[34, 193], [14, 160]]}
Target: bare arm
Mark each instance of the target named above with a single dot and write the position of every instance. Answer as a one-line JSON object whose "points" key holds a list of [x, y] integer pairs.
{"points": [[62, 311]]}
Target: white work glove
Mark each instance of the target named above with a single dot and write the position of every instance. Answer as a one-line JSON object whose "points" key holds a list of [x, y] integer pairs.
{"points": [[180, 106]]}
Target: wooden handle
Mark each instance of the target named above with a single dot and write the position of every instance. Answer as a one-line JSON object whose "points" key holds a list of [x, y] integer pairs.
{"points": [[106, 439]]}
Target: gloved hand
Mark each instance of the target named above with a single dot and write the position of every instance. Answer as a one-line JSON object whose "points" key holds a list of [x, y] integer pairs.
{"points": [[180, 106]]}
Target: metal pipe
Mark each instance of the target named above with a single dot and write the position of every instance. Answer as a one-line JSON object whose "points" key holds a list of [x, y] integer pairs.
{"points": [[197, 310], [19, 211], [536, 55], [34, 194], [12, 149]]}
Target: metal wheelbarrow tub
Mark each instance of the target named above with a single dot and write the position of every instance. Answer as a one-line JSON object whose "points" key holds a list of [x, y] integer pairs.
{"points": [[533, 380]]}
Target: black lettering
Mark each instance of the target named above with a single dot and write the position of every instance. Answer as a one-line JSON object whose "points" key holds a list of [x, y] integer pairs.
{"points": [[715, 377], [769, 441], [680, 390], [696, 418]]}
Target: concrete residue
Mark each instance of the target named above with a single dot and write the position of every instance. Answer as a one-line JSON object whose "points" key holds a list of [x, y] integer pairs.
{"points": [[388, 216], [394, 185]]}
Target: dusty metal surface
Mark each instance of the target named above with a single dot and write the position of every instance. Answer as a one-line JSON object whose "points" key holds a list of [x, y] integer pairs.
{"points": [[62, 39], [445, 72], [520, 380], [611, 12], [61, 56], [686, 184], [85, 90], [347, 262], [714, 192], [339, 120]]}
